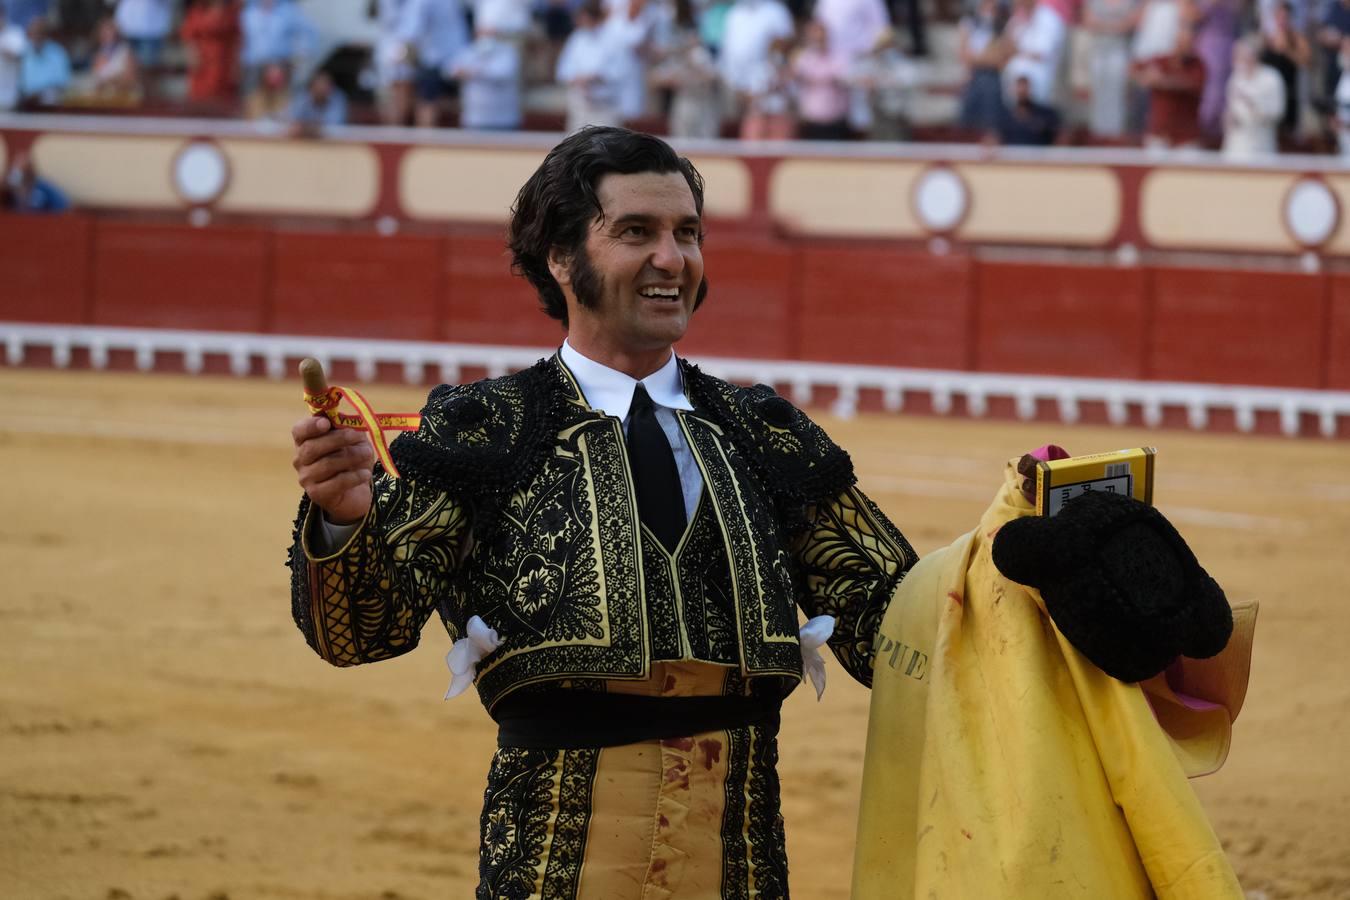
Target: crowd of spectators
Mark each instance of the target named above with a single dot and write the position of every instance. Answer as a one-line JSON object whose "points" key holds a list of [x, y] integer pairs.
{"points": [[1246, 76]]}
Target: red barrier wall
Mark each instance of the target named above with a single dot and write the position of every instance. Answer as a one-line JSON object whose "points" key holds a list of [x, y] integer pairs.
{"points": [[881, 306], [1238, 327], [355, 284], [1061, 320], [1338, 333], [771, 297], [484, 303], [45, 265], [751, 309], [172, 276]]}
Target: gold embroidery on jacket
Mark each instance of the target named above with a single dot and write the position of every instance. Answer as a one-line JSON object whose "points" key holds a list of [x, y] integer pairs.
{"points": [[556, 563]]}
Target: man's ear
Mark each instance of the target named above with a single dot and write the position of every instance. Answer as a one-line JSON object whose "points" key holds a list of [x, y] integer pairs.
{"points": [[560, 265]]}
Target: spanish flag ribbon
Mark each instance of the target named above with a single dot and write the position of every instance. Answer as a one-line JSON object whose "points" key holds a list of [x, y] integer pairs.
{"points": [[366, 419]]}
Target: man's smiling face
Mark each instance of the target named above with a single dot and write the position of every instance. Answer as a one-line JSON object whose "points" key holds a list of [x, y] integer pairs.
{"points": [[633, 285]]}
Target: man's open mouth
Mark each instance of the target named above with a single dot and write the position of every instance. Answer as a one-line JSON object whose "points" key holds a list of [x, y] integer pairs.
{"points": [[661, 294]]}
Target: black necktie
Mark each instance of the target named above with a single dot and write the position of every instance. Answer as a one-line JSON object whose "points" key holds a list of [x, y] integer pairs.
{"points": [[660, 500]]}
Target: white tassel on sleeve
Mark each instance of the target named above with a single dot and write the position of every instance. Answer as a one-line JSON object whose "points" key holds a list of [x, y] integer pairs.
{"points": [[467, 653], [812, 637]]}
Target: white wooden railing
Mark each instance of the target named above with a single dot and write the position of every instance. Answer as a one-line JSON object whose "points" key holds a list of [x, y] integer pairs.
{"points": [[801, 379]]}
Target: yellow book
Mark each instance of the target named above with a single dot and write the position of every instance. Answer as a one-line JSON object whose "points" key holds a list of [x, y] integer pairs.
{"points": [[1128, 472]]}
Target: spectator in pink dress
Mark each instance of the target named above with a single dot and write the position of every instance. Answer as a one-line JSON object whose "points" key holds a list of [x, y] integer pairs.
{"points": [[821, 80]]}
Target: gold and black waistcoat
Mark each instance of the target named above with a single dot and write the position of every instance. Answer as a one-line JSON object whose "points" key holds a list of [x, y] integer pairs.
{"points": [[517, 505]]}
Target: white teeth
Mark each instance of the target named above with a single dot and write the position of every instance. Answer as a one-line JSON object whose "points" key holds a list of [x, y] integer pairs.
{"points": [[660, 293]]}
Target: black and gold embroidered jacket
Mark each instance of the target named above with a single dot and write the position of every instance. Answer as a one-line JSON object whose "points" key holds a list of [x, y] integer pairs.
{"points": [[516, 504]]}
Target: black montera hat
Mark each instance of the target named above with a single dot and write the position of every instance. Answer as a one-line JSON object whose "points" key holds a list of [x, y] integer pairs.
{"points": [[1119, 582]]}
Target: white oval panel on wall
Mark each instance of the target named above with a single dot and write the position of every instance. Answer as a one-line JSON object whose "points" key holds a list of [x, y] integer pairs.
{"points": [[941, 199], [200, 172], [1311, 212]]}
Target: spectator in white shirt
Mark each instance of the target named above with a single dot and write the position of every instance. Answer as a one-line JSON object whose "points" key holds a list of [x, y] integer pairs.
{"points": [[752, 28], [1040, 50], [628, 30], [587, 66], [1255, 103], [13, 44], [1157, 29], [145, 23], [853, 26], [436, 31], [488, 71], [507, 19]]}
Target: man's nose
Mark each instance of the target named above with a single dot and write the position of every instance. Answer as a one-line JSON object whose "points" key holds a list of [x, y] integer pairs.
{"points": [[667, 255]]}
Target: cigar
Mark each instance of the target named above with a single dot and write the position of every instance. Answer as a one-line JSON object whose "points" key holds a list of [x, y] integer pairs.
{"points": [[311, 373]]}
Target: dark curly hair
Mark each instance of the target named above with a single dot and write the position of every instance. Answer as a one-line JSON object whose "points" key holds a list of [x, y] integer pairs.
{"points": [[558, 203]]}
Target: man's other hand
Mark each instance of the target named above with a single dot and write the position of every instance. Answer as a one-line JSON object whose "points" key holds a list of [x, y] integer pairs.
{"points": [[334, 467]]}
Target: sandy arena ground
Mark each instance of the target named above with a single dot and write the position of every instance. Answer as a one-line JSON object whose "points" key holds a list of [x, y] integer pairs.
{"points": [[165, 732]]}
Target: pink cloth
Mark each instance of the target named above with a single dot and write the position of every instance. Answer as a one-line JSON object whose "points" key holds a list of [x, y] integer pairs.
{"points": [[1049, 452], [822, 94]]}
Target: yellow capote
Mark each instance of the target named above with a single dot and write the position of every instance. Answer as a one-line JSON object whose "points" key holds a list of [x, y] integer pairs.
{"points": [[1002, 764]]}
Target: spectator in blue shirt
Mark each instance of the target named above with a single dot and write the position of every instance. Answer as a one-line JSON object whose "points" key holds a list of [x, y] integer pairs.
{"points": [[25, 192], [275, 32], [145, 24], [44, 73], [435, 32], [319, 105]]}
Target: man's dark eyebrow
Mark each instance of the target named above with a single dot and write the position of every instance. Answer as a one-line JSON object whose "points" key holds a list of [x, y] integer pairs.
{"points": [[638, 218]]}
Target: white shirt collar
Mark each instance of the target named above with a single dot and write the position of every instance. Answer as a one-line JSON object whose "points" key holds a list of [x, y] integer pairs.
{"points": [[611, 391]]}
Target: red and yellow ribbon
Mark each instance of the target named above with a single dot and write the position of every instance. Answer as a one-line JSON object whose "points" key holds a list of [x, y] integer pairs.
{"points": [[366, 419]]}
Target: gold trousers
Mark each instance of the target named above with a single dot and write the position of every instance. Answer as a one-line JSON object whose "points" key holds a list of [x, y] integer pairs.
{"points": [[693, 818]]}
